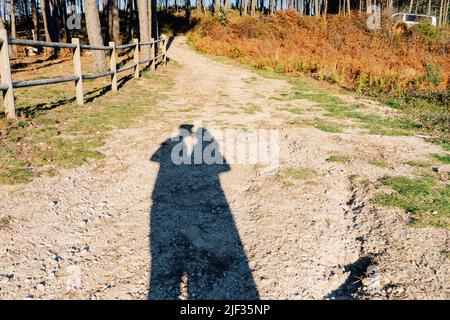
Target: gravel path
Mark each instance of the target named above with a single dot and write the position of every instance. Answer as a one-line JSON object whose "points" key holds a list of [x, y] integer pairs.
{"points": [[133, 226]]}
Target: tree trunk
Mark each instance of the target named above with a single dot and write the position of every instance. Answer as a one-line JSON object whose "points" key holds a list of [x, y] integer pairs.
{"points": [[216, 7], [63, 16], [130, 15], [12, 10], [446, 13], [188, 11], [144, 35], [115, 18], [94, 31], [35, 20], [150, 17], [411, 5], [44, 10]]}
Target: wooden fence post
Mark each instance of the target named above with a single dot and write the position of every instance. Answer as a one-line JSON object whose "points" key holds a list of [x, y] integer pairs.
{"points": [[113, 67], [153, 54], [136, 58], [5, 69], [164, 50], [77, 71]]}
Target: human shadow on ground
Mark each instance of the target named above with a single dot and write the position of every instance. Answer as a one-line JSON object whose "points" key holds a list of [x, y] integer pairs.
{"points": [[196, 251]]}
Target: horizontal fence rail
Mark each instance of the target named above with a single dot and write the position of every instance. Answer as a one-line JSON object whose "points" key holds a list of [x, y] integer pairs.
{"points": [[89, 47], [32, 43], [97, 75], [131, 66], [7, 86], [125, 46], [41, 82]]}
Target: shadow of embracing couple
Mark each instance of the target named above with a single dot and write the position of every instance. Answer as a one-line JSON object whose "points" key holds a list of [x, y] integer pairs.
{"points": [[196, 251]]}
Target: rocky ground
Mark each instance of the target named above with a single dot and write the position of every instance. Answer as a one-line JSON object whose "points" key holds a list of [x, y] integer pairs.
{"points": [[130, 226]]}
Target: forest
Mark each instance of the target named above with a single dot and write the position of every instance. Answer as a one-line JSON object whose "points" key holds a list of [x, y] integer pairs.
{"points": [[120, 20]]}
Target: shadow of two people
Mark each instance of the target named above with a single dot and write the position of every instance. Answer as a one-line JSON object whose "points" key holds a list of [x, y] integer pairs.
{"points": [[194, 241]]}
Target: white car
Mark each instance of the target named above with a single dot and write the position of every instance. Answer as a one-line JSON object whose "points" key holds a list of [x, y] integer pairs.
{"points": [[411, 18]]}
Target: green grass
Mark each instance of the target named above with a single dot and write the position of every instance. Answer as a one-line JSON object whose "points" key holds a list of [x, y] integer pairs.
{"points": [[293, 122], [222, 93], [446, 145], [338, 159], [431, 115], [418, 164], [5, 222], [444, 158], [251, 108], [376, 124], [379, 164], [327, 126], [13, 170], [249, 79], [69, 135], [294, 110], [336, 108], [425, 198], [298, 173]]}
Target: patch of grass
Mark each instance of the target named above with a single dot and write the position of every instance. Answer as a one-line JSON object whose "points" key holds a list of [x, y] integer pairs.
{"points": [[67, 136], [340, 110], [388, 126], [441, 158], [293, 122], [298, 173], [338, 159], [5, 222], [419, 164], [446, 253], [294, 110], [13, 170], [425, 198], [446, 145], [327, 126], [318, 97], [230, 112], [188, 109], [379, 164], [222, 93], [249, 79], [251, 108], [352, 178]]}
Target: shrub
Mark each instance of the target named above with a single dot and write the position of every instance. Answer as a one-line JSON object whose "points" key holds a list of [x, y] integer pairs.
{"points": [[433, 73]]}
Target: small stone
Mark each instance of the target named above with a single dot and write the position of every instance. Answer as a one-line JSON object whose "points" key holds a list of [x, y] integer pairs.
{"points": [[40, 287]]}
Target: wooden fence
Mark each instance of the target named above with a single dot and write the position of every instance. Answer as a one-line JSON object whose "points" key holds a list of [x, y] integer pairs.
{"points": [[7, 86]]}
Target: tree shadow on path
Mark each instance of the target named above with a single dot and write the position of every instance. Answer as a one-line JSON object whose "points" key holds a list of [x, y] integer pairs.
{"points": [[196, 251]]}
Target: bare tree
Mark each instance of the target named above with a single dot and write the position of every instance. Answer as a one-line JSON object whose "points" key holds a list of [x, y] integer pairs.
{"points": [[94, 31]]}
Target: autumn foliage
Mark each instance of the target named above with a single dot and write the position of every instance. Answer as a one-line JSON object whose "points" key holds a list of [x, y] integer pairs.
{"points": [[340, 49]]}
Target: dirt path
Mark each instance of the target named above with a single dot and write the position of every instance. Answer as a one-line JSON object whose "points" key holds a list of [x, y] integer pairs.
{"points": [[304, 232]]}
